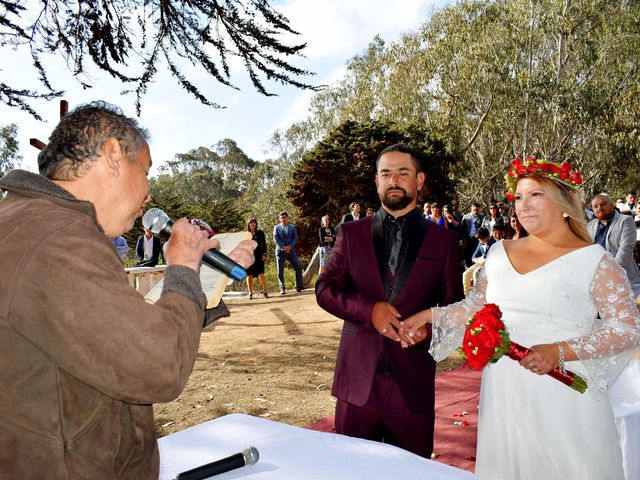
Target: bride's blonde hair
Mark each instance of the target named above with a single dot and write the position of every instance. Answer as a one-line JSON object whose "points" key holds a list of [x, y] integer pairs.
{"points": [[567, 201]]}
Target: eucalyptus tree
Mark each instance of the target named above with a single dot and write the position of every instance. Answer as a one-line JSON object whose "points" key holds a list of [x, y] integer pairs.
{"points": [[10, 157], [501, 78], [205, 183]]}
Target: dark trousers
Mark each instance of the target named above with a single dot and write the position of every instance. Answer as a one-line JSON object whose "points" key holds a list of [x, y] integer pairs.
{"points": [[470, 245], [293, 259], [386, 418]]}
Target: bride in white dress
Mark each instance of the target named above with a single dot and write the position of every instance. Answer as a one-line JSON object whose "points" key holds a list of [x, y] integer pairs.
{"points": [[551, 286]]}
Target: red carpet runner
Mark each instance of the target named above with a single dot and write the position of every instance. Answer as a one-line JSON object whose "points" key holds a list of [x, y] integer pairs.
{"points": [[457, 395]]}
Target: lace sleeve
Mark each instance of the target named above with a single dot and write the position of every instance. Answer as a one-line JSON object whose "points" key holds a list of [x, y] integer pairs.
{"points": [[607, 349], [449, 322]]}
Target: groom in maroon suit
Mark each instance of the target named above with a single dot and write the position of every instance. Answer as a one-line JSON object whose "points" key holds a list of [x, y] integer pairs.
{"points": [[384, 269]]}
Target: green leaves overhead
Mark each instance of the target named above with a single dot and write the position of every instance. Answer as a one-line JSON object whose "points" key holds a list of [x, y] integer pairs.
{"points": [[130, 39]]}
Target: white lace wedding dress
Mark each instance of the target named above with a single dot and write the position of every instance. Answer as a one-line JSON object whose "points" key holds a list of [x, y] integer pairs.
{"points": [[531, 426]]}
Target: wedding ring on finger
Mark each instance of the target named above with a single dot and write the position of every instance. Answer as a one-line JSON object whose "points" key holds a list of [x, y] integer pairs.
{"points": [[384, 330]]}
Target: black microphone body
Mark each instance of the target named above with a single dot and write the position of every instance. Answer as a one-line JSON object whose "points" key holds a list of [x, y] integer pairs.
{"points": [[248, 456], [157, 221]]}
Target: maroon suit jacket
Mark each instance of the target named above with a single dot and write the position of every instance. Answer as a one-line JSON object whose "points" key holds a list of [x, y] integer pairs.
{"points": [[354, 281]]}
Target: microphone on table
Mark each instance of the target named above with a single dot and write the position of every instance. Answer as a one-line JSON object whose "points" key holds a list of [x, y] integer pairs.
{"points": [[246, 457], [159, 222]]}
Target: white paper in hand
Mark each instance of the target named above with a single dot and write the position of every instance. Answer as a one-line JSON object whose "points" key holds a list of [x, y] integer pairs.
{"points": [[213, 282]]}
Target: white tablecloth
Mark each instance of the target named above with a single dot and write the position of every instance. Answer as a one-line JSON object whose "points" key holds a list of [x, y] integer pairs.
{"points": [[293, 453], [625, 399]]}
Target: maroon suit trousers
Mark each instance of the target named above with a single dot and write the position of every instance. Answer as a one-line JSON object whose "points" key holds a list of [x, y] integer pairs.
{"points": [[386, 418]]}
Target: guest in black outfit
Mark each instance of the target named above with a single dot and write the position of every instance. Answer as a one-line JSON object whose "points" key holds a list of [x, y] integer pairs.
{"points": [[327, 241], [148, 249], [260, 253]]}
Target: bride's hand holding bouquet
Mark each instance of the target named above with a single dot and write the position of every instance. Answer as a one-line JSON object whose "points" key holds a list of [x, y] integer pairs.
{"points": [[486, 340]]}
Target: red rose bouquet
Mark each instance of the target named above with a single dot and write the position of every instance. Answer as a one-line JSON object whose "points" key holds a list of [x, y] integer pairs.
{"points": [[486, 340]]}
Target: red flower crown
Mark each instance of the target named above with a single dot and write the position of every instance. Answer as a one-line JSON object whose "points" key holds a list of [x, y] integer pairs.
{"points": [[564, 173]]}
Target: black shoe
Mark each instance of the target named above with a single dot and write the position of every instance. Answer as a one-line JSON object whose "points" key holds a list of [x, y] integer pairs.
{"points": [[282, 292], [299, 289], [250, 295]]}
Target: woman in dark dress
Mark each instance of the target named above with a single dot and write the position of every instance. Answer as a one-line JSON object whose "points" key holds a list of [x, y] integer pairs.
{"points": [[327, 241], [260, 253]]}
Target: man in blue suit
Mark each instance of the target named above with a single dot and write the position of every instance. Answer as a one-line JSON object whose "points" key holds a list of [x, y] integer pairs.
{"points": [[285, 237]]}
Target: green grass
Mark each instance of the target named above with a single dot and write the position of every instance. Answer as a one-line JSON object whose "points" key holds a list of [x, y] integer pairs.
{"points": [[271, 274]]}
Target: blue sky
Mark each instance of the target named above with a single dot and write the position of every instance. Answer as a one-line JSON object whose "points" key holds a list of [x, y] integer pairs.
{"points": [[334, 30]]}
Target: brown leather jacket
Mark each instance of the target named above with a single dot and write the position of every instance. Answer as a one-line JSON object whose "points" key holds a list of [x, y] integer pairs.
{"points": [[83, 356]]}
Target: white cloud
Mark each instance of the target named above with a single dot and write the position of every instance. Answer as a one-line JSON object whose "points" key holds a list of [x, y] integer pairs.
{"points": [[340, 28]]}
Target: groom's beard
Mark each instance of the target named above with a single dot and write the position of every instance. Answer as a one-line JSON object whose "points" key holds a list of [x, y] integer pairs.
{"points": [[396, 203]]}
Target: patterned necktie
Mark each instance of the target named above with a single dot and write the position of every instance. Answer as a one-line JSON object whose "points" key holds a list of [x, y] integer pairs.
{"points": [[601, 234]]}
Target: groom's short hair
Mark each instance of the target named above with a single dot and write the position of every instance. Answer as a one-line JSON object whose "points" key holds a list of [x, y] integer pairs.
{"points": [[402, 148]]}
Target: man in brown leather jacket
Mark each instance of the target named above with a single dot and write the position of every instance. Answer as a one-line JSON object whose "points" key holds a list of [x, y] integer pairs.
{"points": [[84, 356]]}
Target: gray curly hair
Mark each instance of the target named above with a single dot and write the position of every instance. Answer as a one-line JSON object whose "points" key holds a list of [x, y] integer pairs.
{"points": [[79, 137]]}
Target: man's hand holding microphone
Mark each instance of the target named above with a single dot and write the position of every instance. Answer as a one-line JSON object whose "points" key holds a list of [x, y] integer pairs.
{"points": [[192, 245], [188, 243]]}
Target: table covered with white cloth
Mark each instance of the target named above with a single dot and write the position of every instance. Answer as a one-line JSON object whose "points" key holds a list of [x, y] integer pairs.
{"points": [[293, 453]]}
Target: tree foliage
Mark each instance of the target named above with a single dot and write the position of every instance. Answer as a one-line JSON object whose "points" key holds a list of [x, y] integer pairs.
{"points": [[267, 195], [205, 183], [129, 39], [10, 157], [341, 169], [501, 78]]}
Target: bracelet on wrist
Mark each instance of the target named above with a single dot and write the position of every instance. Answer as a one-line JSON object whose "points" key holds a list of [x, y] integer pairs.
{"points": [[561, 353]]}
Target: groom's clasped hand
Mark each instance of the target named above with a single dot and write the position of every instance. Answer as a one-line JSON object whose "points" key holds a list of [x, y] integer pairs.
{"points": [[386, 320]]}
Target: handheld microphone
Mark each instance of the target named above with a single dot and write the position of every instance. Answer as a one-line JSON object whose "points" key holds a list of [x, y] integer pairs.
{"points": [[159, 222], [248, 456]]}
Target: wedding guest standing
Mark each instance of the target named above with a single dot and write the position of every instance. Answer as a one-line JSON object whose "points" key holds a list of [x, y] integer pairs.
{"points": [[327, 240], [353, 215], [470, 224], [285, 236], [121, 246], [452, 220], [148, 249], [616, 233], [490, 220], [571, 303], [426, 210], [260, 254], [436, 216], [517, 230]]}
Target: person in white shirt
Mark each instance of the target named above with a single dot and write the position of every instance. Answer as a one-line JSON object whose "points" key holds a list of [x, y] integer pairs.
{"points": [[629, 206], [354, 213], [148, 249]]}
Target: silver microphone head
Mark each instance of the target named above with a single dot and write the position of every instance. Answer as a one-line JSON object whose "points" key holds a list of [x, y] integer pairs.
{"points": [[155, 220], [250, 455]]}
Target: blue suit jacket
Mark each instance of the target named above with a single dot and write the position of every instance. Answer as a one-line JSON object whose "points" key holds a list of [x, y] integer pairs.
{"points": [[483, 253], [283, 239]]}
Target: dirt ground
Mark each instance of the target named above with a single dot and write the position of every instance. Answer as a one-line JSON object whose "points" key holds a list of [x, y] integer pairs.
{"points": [[273, 358]]}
